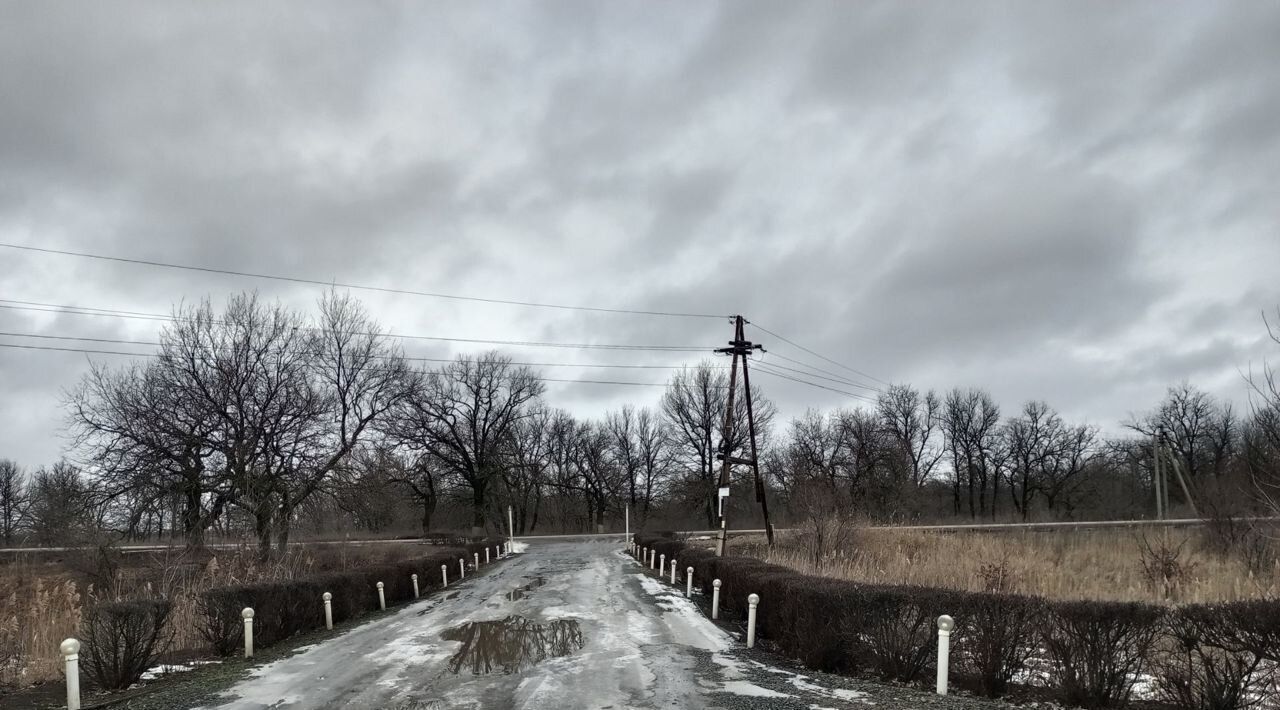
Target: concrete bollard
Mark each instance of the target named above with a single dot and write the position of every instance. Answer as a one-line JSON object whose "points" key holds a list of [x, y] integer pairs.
{"points": [[673, 571], [715, 599], [945, 625], [477, 556], [328, 610], [662, 566], [688, 583], [71, 655], [462, 568], [753, 601], [247, 615], [444, 575], [486, 554], [382, 598], [653, 558], [414, 577]]}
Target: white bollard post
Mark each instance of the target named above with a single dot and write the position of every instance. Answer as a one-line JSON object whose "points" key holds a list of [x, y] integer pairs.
{"points": [[382, 598], [653, 558], [462, 568], [673, 571], [486, 554], [328, 610], [444, 575], [477, 556], [945, 625], [715, 599], [752, 602], [247, 615], [71, 655], [414, 577], [662, 567], [688, 583]]}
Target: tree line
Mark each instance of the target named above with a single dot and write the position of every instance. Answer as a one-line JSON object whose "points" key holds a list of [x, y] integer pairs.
{"points": [[258, 419]]}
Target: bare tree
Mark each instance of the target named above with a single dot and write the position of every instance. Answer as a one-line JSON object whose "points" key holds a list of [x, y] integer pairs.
{"points": [[1262, 435], [525, 474], [13, 500], [694, 407], [1031, 440], [651, 446], [60, 504], [913, 423], [970, 421], [356, 378], [462, 416]]}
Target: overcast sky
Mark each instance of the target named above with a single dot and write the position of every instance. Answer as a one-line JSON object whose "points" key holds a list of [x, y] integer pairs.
{"points": [[1071, 201]]}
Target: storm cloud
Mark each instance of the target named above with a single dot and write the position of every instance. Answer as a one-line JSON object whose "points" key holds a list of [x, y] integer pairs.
{"points": [[1073, 201]]}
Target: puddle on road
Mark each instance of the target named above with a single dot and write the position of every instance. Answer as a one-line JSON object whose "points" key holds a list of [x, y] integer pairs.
{"points": [[511, 644], [521, 592]]}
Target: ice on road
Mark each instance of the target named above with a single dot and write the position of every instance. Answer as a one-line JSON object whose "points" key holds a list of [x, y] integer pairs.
{"points": [[562, 625]]}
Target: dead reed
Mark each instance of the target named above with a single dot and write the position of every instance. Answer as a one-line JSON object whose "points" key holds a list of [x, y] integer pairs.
{"points": [[1094, 564], [42, 604]]}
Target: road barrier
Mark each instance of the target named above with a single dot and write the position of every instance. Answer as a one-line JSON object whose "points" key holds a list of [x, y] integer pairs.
{"points": [[715, 599], [753, 601], [462, 568], [673, 570], [662, 565], [688, 583], [444, 575], [382, 598], [945, 625], [477, 557], [71, 656], [328, 610], [486, 555], [414, 578], [247, 615]]}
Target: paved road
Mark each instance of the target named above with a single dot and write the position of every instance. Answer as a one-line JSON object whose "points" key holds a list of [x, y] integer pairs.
{"points": [[563, 625]]}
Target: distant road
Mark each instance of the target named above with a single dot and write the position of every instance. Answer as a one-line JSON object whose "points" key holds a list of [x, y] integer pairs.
{"points": [[970, 527]]}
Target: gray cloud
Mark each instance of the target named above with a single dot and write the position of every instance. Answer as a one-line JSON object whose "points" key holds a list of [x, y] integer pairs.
{"points": [[1068, 201]]}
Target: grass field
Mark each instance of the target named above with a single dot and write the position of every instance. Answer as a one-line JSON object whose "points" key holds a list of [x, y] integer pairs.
{"points": [[43, 601], [1173, 566]]}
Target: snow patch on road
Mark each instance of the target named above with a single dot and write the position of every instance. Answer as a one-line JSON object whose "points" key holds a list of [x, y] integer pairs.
{"points": [[515, 547], [684, 619]]}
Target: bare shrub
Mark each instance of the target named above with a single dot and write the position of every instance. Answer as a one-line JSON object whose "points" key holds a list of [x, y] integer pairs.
{"points": [[899, 628], [997, 634], [1098, 649], [998, 577], [1163, 566], [122, 640], [824, 525]]}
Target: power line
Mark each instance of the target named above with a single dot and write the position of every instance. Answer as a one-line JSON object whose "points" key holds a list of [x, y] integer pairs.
{"points": [[153, 343], [765, 370], [335, 284], [90, 351], [834, 378], [818, 355], [110, 313]]}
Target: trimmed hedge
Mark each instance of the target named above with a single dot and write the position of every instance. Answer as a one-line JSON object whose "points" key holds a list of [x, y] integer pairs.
{"points": [[287, 607], [1201, 657]]}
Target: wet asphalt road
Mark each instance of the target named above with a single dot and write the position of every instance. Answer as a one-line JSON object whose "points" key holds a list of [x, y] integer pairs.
{"points": [[561, 626]]}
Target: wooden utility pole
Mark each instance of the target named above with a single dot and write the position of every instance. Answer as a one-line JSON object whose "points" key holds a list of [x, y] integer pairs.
{"points": [[739, 348]]}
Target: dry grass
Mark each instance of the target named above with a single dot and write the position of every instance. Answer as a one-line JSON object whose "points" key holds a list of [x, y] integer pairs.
{"points": [[42, 604], [1104, 564]]}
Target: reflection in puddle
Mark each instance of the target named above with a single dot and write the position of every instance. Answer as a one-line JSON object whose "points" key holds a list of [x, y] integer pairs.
{"points": [[512, 644], [521, 592]]}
